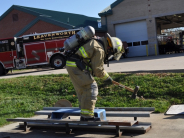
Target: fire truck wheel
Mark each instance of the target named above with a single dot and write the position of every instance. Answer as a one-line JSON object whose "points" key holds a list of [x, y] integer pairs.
{"points": [[1, 70], [58, 62]]}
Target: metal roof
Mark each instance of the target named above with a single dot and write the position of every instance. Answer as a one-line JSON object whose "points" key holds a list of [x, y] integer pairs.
{"points": [[108, 10]]}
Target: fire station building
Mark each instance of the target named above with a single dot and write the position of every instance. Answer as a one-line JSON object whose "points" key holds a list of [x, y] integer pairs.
{"points": [[20, 20], [140, 21]]}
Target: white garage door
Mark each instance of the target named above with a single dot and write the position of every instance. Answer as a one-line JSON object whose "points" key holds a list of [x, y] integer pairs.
{"points": [[135, 34]]}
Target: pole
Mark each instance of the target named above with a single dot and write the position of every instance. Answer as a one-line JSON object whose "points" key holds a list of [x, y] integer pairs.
{"points": [[147, 50], [155, 50]]}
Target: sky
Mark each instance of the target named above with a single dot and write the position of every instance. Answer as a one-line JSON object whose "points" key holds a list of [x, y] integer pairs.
{"points": [[89, 8]]}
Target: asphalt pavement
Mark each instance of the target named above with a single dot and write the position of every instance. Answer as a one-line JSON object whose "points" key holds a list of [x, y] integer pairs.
{"points": [[150, 64]]}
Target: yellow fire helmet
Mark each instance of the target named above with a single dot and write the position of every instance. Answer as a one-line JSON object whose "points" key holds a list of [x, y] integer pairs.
{"points": [[117, 46]]}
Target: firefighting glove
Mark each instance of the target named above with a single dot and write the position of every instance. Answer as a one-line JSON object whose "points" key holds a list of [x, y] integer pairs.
{"points": [[108, 81]]}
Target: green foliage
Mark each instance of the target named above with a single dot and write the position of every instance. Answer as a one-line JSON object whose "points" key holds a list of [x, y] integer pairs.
{"points": [[21, 97]]}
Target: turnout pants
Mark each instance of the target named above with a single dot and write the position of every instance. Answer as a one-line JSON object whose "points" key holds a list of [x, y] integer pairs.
{"points": [[85, 87]]}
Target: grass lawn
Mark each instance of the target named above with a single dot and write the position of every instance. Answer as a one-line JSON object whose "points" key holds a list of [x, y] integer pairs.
{"points": [[21, 97]]}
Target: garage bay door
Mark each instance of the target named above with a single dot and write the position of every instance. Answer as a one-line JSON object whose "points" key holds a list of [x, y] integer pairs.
{"points": [[135, 34]]}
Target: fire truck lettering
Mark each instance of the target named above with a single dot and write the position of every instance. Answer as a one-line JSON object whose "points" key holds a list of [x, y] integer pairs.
{"points": [[42, 36], [47, 38], [53, 34], [35, 37], [57, 37], [73, 32], [61, 33], [45, 35], [57, 33], [49, 35], [65, 33], [38, 36]]}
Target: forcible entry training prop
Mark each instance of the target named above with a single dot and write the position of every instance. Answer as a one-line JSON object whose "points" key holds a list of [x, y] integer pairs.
{"points": [[134, 95]]}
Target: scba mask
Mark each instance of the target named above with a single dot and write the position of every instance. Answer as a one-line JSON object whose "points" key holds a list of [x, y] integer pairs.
{"points": [[116, 45]]}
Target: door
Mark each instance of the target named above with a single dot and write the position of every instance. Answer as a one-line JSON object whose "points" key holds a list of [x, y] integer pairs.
{"points": [[7, 52], [35, 53], [135, 34]]}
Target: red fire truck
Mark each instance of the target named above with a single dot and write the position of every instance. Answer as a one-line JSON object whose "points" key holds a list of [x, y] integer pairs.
{"points": [[35, 49]]}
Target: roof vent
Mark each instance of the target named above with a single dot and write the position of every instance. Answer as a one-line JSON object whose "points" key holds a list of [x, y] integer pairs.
{"points": [[68, 20], [45, 16]]}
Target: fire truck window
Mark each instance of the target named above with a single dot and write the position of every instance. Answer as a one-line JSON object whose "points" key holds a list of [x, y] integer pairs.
{"points": [[6, 47], [2, 49]]}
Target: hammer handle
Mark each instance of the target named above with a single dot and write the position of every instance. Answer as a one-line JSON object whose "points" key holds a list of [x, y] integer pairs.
{"points": [[123, 86]]}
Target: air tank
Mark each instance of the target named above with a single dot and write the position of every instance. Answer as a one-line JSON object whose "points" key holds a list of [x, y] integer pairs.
{"points": [[84, 34]]}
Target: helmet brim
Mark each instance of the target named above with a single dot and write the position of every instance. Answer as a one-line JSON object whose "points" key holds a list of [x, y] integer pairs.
{"points": [[109, 37]]}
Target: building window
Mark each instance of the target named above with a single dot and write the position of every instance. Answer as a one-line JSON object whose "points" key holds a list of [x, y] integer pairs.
{"points": [[136, 43], [144, 42], [129, 44], [99, 23], [15, 17]]}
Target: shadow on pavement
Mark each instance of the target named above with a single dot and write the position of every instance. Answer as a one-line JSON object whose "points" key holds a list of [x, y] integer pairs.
{"points": [[27, 72], [155, 71], [175, 116], [58, 133]]}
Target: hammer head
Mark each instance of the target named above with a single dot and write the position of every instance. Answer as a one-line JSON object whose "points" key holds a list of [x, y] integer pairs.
{"points": [[134, 95]]}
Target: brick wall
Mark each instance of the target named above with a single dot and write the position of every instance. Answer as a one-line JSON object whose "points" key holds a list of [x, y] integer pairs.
{"points": [[41, 27], [8, 27]]}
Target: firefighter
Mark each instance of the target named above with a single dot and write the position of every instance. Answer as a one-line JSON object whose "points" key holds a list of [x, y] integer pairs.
{"points": [[91, 58]]}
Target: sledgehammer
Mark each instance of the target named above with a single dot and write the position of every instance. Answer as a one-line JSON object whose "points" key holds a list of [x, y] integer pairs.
{"points": [[134, 95]]}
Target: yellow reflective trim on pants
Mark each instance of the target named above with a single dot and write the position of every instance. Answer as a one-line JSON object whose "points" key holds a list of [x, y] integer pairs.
{"points": [[106, 76], [71, 64], [83, 52], [86, 112]]}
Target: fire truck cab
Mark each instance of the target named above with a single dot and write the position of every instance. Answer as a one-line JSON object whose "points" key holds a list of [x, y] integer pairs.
{"points": [[35, 49]]}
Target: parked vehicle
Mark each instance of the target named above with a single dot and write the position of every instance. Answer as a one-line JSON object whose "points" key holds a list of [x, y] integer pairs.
{"points": [[35, 49], [167, 44], [169, 47]]}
